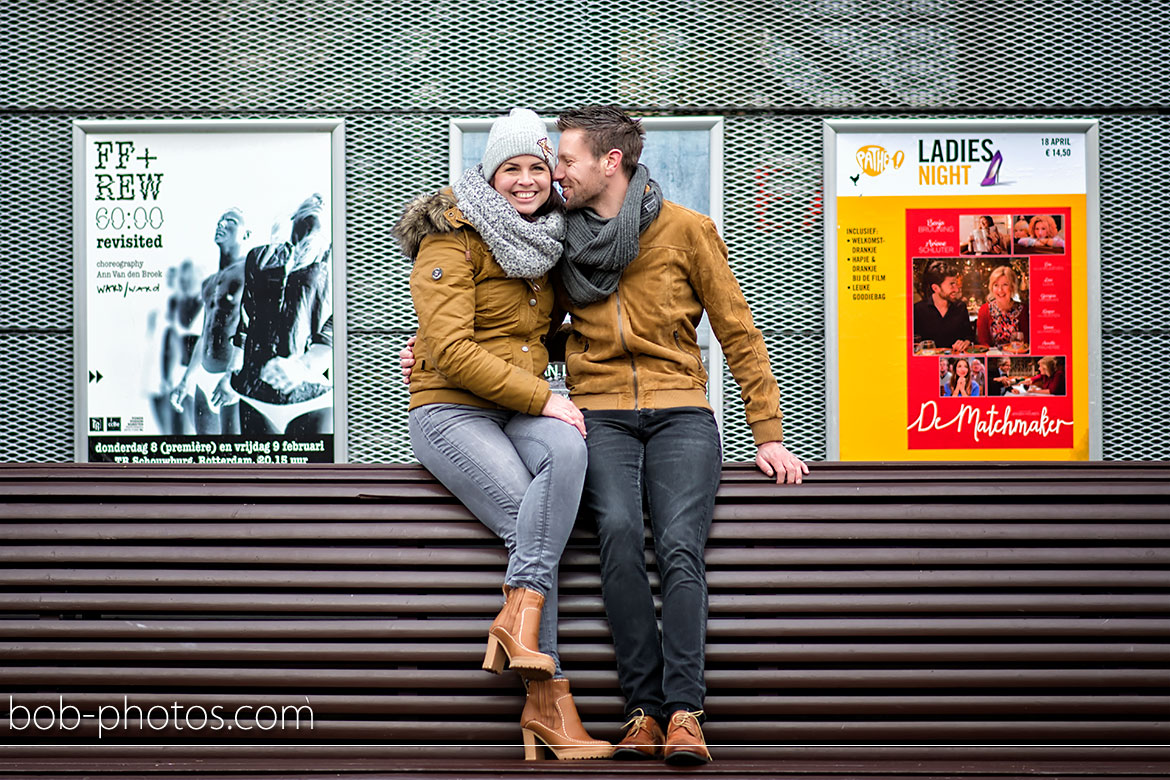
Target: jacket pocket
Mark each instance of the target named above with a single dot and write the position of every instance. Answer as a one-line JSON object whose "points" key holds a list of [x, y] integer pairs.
{"points": [[575, 350], [698, 361]]}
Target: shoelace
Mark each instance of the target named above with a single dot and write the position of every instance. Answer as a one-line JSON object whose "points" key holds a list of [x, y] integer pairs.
{"points": [[638, 721], [684, 720]]}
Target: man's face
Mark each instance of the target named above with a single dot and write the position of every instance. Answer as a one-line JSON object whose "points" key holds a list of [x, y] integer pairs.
{"points": [[949, 290], [228, 230], [580, 174]]}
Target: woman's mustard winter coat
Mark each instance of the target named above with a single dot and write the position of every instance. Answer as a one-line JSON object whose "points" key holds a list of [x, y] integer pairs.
{"points": [[481, 334]]}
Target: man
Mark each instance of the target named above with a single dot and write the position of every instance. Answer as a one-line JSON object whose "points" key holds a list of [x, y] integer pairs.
{"points": [[213, 351], [941, 316], [637, 274]]}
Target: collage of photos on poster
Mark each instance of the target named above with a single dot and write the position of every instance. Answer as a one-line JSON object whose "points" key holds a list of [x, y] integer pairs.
{"points": [[971, 312]]}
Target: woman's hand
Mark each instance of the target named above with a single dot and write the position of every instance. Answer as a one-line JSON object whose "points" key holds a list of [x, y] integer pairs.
{"points": [[224, 394], [563, 409]]}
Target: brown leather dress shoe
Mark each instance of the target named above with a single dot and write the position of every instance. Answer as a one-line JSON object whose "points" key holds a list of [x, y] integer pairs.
{"points": [[644, 738], [685, 745]]}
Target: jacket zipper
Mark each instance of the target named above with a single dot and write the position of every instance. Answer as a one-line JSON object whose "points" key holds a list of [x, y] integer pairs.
{"points": [[617, 296]]}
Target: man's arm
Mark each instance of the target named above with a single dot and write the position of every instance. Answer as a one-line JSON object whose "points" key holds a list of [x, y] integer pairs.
{"points": [[746, 354]]}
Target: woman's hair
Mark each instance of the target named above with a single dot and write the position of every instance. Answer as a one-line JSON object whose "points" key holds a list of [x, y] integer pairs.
{"points": [[1050, 363], [1048, 222], [1003, 270], [955, 375]]}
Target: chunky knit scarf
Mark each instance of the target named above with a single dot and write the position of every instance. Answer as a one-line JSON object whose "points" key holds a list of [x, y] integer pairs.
{"points": [[525, 250], [598, 250]]}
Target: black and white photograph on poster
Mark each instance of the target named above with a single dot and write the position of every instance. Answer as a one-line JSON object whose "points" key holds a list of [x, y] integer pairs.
{"points": [[207, 291]]}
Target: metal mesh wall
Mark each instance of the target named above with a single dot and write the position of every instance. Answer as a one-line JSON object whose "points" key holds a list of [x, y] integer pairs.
{"points": [[397, 70]]}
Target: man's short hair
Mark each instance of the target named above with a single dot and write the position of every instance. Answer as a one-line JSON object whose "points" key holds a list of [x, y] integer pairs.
{"points": [[934, 273], [607, 127]]}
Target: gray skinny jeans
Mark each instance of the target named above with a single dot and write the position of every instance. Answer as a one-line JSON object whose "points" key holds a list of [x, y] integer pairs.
{"points": [[521, 476]]}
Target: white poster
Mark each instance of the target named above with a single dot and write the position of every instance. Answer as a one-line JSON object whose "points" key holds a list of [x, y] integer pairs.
{"points": [[208, 291]]}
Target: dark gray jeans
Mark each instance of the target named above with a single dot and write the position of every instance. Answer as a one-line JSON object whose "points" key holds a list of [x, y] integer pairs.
{"points": [[521, 476], [673, 457]]}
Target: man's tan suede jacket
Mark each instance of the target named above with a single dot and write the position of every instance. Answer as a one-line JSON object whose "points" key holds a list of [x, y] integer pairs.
{"points": [[638, 347]]}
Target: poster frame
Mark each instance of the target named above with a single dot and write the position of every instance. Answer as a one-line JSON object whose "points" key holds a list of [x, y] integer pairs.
{"points": [[1088, 128], [82, 128]]}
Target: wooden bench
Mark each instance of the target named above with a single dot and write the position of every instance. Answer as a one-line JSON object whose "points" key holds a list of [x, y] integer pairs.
{"points": [[897, 620]]}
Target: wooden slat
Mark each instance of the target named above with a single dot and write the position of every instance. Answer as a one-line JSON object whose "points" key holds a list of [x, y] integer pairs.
{"points": [[772, 762], [726, 734], [917, 678], [471, 580], [414, 603], [439, 652], [505, 703], [495, 556], [836, 519], [579, 628]]}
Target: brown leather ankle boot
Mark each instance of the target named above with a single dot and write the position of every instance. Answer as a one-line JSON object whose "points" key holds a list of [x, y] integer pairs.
{"points": [[551, 716], [516, 634]]}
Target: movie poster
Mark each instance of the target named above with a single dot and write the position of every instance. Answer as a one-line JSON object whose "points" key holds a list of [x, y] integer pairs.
{"points": [[964, 322], [209, 315]]}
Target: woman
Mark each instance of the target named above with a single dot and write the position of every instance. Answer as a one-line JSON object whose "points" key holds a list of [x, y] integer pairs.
{"points": [[985, 238], [1002, 315], [1044, 236], [962, 381], [482, 418], [1049, 380]]}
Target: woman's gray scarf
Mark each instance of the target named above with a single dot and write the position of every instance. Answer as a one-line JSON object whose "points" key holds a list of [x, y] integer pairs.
{"points": [[525, 250], [598, 250]]}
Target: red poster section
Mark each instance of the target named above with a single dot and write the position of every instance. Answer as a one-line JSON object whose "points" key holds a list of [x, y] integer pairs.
{"points": [[1000, 390]]}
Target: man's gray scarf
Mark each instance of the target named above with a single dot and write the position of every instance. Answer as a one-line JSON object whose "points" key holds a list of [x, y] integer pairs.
{"points": [[598, 250], [525, 250]]}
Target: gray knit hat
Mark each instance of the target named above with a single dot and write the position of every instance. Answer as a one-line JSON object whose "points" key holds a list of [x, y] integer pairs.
{"points": [[520, 132]]}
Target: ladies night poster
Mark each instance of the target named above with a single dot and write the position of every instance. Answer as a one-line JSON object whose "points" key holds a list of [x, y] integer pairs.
{"points": [[963, 312]]}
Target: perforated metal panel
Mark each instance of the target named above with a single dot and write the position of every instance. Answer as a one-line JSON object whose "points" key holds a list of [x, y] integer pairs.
{"points": [[398, 70]]}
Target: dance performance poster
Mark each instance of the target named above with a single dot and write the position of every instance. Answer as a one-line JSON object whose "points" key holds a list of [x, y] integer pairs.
{"points": [[209, 291], [962, 289]]}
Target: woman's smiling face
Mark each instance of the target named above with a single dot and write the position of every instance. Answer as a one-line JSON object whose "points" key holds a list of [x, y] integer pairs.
{"points": [[525, 181]]}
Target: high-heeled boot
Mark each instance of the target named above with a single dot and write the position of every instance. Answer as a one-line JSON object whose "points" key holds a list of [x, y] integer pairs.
{"points": [[515, 633], [551, 716]]}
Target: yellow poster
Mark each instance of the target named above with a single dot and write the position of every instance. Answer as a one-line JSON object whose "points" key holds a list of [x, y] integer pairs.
{"points": [[959, 287]]}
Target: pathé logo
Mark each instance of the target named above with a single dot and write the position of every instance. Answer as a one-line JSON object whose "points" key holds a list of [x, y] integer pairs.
{"points": [[874, 159]]}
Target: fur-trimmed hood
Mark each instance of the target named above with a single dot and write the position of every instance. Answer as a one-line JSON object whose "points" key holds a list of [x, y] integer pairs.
{"points": [[433, 212]]}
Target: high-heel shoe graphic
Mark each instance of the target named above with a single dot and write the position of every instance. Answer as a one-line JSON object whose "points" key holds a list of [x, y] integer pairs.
{"points": [[992, 175]]}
